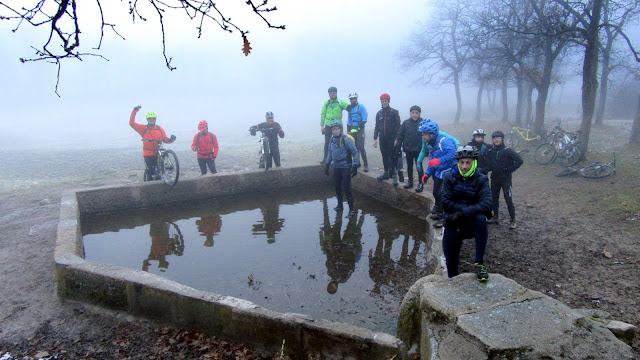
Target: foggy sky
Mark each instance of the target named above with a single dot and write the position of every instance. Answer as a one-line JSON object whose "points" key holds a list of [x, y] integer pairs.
{"points": [[329, 43]]}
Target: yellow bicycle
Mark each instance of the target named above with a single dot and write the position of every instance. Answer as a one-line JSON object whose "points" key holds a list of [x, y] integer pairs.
{"points": [[521, 133]]}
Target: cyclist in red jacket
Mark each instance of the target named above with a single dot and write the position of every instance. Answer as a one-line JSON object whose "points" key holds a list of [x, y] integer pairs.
{"points": [[151, 131], [205, 144]]}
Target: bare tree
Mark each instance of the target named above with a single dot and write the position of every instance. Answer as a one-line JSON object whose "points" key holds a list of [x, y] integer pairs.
{"points": [[65, 36], [635, 129], [441, 47]]}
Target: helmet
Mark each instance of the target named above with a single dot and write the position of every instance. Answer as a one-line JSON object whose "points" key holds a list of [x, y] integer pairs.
{"points": [[467, 151], [479, 132], [335, 123], [333, 89], [151, 114], [429, 127], [353, 95], [497, 133], [269, 114], [202, 125], [415, 107], [385, 96]]}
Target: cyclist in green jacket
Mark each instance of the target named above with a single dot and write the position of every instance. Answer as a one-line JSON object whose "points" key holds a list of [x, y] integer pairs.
{"points": [[331, 111]]}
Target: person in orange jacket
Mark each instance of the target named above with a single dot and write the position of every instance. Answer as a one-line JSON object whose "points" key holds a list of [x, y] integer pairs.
{"points": [[150, 131], [205, 144]]}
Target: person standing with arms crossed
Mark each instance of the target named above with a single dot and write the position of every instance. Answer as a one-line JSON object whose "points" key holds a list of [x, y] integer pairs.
{"points": [[409, 138], [387, 126], [331, 111], [357, 118], [152, 132]]}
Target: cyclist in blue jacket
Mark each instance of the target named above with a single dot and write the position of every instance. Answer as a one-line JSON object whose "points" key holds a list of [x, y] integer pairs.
{"points": [[357, 118], [441, 158], [345, 158], [424, 152]]}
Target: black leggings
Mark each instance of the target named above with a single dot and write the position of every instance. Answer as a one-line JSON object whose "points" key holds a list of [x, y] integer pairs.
{"points": [[505, 186], [389, 159], [204, 162], [342, 182], [475, 227], [274, 154], [150, 166], [412, 158]]}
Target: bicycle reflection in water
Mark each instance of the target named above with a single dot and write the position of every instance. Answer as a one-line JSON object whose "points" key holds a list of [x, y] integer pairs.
{"points": [[166, 239], [208, 226], [343, 252], [271, 223]]}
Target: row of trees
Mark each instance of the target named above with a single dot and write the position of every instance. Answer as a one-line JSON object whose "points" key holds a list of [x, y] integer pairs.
{"points": [[527, 44]]}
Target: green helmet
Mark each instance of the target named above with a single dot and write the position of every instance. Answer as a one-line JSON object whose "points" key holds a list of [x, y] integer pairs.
{"points": [[151, 114]]}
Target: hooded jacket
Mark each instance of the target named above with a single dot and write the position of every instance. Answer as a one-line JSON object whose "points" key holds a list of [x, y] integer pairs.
{"points": [[472, 195]]}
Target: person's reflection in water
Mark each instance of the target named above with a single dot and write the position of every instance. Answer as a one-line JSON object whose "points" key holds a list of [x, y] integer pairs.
{"points": [[380, 262], [166, 239], [209, 226], [271, 223], [342, 252], [407, 268]]}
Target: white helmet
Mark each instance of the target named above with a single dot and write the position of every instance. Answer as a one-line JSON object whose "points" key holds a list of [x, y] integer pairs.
{"points": [[353, 95]]}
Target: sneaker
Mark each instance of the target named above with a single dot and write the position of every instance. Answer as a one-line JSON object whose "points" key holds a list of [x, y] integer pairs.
{"points": [[384, 176], [351, 213], [513, 225], [494, 220], [408, 185], [366, 168], [419, 187], [338, 208], [395, 179], [481, 272], [400, 176]]}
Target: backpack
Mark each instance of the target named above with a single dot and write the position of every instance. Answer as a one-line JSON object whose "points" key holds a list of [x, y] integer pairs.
{"points": [[357, 112]]}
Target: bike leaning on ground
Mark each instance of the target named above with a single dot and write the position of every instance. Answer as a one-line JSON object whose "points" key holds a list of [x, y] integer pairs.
{"points": [[596, 170], [168, 168]]}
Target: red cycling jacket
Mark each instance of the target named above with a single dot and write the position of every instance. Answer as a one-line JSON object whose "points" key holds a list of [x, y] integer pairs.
{"points": [[206, 144], [152, 132]]}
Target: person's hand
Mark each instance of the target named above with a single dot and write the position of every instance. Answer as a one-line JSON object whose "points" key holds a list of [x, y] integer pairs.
{"points": [[454, 219], [375, 143], [354, 171], [137, 108], [172, 138], [194, 149], [213, 158], [395, 143], [434, 162], [326, 169], [425, 177]]}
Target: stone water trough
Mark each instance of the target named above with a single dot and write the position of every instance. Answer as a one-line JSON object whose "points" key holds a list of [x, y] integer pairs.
{"points": [[439, 318]]}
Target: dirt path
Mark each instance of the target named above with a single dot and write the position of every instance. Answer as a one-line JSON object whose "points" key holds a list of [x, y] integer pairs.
{"points": [[577, 241]]}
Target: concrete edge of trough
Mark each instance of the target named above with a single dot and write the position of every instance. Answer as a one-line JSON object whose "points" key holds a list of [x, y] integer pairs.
{"points": [[147, 295]]}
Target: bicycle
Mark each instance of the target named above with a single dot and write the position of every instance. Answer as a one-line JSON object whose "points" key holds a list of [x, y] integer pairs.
{"points": [[594, 171], [563, 145], [265, 148], [517, 133], [168, 168]]}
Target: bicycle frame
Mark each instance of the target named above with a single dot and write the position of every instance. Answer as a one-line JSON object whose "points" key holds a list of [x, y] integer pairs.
{"points": [[264, 150], [167, 164]]}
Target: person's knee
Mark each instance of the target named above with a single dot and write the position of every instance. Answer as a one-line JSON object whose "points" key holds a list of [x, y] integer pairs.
{"points": [[480, 219]]}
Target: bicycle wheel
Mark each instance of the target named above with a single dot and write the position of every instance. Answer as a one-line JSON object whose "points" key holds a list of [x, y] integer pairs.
{"points": [[512, 140], [266, 153], [571, 155], [595, 171], [545, 154], [170, 168], [567, 171]]}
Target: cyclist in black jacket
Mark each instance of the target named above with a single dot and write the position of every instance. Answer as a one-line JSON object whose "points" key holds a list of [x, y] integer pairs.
{"points": [[411, 141], [466, 200], [477, 142], [273, 131], [387, 125], [502, 162]]}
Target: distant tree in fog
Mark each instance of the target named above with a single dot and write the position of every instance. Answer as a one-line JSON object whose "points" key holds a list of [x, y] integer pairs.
{"points": [[62, 19], [440, 48]]}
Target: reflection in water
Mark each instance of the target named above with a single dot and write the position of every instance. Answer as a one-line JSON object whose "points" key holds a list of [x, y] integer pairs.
{"points": [[166, 239], [326, 277], [209, 226], [271, 223], [342, 252]]}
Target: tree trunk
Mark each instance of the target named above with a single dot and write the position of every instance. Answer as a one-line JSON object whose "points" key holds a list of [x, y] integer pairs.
{"points": [[590, 75], [543, 91], [604, 72], [505, 106], [635, 129], [519, 99], [456, 82], [491, 99], [528, 119], [478, 117]]}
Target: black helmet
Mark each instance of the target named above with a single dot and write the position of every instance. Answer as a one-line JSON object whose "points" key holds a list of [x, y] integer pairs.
{"points": [[497, 133], [333, 89], [467, 151], [415, 107]]}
